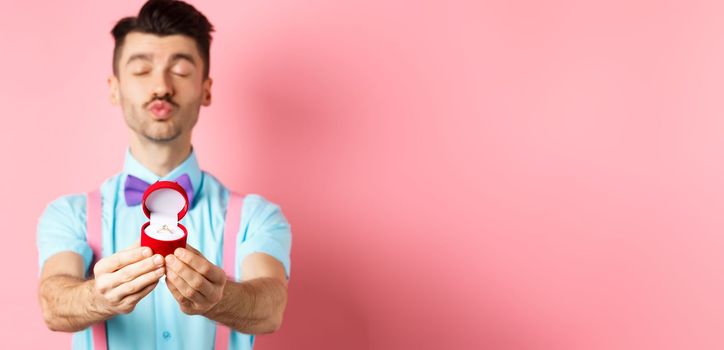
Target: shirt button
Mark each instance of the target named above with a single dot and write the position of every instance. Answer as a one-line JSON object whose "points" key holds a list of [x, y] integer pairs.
{"points": [[166, 335]]}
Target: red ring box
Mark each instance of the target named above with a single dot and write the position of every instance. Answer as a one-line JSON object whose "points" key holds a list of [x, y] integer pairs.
{"points": [[164, 203]]}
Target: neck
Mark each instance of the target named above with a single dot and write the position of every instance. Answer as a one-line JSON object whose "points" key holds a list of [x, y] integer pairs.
{"points": [[159, 157]]}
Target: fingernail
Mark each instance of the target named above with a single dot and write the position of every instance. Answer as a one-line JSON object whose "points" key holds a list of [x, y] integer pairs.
{"points": [[158, 260], [179, 252], [146, 252], [170, 259]]}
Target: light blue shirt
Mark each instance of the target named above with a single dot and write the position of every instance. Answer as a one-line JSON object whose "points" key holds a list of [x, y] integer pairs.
{"points": [[157, 322]]}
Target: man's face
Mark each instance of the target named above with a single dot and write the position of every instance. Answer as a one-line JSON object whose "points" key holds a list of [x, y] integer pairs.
{"points": [[160, 85]]}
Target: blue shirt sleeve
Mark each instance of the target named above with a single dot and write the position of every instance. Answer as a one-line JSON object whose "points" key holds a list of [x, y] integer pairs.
{"points": [[62, 228], [264, 229]]}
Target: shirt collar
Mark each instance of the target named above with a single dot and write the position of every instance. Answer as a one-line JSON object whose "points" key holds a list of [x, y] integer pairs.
{"points": [[189, 166]]}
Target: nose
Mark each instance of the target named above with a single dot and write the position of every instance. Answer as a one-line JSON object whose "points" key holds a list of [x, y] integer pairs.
{"points": [[162, 85]]}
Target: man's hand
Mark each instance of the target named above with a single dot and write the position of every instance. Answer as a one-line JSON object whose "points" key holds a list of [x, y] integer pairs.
{"points": [[195, 282], [124, 278]]}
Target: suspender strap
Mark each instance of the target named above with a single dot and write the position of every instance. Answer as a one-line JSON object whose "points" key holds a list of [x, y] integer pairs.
{"points": [[231, 230], [94, 236]]}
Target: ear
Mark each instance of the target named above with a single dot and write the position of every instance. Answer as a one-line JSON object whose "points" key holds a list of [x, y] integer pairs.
{"points": [[113, 86], [206, 88]]}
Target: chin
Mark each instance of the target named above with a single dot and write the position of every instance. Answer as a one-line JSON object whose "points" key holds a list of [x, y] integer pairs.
{"points": [[161, 137]]}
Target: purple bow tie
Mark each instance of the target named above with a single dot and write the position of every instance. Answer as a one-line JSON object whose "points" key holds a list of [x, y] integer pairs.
{"points": [[135, 187]]}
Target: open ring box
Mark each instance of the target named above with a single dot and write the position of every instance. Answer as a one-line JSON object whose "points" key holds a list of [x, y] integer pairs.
{"points": [[164, 203]]}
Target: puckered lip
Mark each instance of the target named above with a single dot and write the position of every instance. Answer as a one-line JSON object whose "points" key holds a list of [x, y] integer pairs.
{"points": [[160, 110], [160, 105]]}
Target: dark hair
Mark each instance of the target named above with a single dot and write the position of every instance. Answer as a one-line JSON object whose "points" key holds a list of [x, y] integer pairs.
{"points": [[166, 17]]}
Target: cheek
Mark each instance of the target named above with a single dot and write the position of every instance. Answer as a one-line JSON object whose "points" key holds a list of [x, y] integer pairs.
{"points": [[133, 94], [188, 92], [188, 87]]}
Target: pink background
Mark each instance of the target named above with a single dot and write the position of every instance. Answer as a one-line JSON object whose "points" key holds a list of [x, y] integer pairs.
{"points": [[458, 175]]}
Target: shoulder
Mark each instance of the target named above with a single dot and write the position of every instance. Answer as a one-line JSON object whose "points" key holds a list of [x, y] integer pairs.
{"points": [[256, 203], [259, 212], [252, 201], [70, 210], [256, 209], [63, 216], [70, 206]]}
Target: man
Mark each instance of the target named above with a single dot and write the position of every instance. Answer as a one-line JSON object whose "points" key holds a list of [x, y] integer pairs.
{"points": [[161, 79]]}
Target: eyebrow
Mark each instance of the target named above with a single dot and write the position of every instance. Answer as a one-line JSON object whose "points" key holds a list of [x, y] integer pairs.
{"points": [[183, 56], [138, 56], [174, 58]]}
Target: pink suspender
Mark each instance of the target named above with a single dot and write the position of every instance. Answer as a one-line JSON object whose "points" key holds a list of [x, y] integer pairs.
{"points": [[94, 236], [231, 230]]}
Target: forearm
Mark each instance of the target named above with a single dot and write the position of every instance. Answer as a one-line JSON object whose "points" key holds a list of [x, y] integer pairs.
{"points": [[255, 306], [67, 303]]}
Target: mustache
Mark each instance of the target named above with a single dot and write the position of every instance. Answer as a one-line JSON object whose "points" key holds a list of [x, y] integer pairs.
{"points": [[166, 98]]}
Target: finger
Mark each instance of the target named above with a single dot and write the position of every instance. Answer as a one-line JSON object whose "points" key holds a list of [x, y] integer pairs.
{"points": [[135, 244], [177, 295], [133, 271], [197, 262], [185, 289], [108, 281], [133, 299], [192, 249], [136, 285], [193, 278], [121, 259], [195, 292]]}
